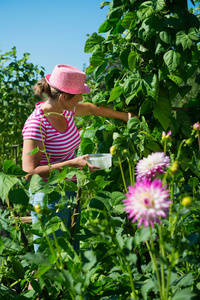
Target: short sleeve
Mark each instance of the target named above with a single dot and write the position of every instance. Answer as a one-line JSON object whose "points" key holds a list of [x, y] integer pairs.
{"points": [[34, 129]]}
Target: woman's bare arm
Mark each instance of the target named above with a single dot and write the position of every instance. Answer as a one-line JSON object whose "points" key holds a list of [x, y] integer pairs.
{"points": [[31, 163], [87, 108]]}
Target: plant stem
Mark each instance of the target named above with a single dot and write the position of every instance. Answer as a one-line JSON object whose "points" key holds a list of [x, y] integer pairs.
{"points": [[161, 263], [57, 246], [153, 258], [131, 281], [122, 172], [50, 246]]}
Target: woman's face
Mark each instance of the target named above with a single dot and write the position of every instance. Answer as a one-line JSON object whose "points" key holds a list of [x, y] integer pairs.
{"points": [[70, 104]]}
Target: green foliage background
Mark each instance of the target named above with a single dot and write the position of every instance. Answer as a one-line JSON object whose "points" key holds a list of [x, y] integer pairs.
{"points": [[144, 59]]}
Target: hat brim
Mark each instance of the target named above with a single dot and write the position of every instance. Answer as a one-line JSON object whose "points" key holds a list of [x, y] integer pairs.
{"points": [[86, 88]]}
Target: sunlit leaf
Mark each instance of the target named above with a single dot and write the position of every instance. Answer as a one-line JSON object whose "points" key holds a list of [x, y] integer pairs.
{"points": [[172, 59]]}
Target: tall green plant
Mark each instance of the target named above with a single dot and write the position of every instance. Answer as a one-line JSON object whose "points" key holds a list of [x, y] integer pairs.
{"points": [[17, 77], [146, 59]]}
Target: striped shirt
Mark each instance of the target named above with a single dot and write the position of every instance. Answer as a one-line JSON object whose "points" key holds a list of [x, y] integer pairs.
{"points": [[60, 146]]}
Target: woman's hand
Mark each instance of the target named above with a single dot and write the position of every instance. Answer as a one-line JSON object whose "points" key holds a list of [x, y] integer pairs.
{"points": [[80, 162], [131, 115]]}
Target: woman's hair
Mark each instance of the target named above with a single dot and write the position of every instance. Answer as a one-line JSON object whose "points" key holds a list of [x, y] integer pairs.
{"points": [[42, 87]]}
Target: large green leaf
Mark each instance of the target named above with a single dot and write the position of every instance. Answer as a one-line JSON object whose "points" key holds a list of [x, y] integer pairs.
{"points": [[19, 196], [152, 85], [92, 42], [159, 5], [183, 39], [10, 168], [166, 37], [115, 93], [132, 60], [145, 10], [87, 146], [161, 116], [105, 26], [6, 183], [124, 57], [185, 294], [129, 21], [172, 59]]}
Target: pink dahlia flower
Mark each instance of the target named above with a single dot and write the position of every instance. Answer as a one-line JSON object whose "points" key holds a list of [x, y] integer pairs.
{"points": [[152, 165], [147, 202]]}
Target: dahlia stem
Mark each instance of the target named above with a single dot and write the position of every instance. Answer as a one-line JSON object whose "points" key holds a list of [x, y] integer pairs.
{"points": [[131, 281], [122, 172], [162, 265], [153, 258], [199, 140], [179, 149], [131, 172]]}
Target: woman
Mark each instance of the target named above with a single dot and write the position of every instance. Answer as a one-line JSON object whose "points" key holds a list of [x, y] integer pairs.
{"points": [[52, 125]]}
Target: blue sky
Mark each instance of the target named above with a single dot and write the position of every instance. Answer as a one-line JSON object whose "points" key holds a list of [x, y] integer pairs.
{"points": [[52, 31]]}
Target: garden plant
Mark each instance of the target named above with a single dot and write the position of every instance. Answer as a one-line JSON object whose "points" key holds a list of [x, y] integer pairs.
{"points": [[140, 219]]}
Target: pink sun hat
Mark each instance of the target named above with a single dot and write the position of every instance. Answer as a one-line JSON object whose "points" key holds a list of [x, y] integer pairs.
{"points": [[68, 79]]}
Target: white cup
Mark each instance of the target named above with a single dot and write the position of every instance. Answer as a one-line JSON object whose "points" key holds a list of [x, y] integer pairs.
{"points": [[101, 160]]}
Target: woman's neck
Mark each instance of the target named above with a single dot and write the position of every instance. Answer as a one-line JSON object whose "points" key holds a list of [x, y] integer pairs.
{"points": [[52, 106]]}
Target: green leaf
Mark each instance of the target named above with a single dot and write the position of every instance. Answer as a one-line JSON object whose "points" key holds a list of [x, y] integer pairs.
{"points": [[148, 285], [100, 69], [165, 105], [104, 3], [87, 146], [161, 117], [124, 57], [36, 183], [129, 21], [10, 168], [166, 37], [19, 196], [185, 280], [141, 235], [101, 200], [133, 124], [132, 60], [140, 47], [175, 79], [145, 10], [115, 93], [6, 183], [194, 182], [105, 26], [152, 85], [38, 258], [89, 260], [93, 42], [34, 151], [172, 59], [185, 294], [146, 107], [159, 5], [183, 39], [193, 34]]}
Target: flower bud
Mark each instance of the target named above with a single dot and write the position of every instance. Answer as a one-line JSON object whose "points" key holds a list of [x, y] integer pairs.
{"points": [[174, 167], [189, 142], [112, 150], [166, 136], [38, 209], [196, 126], [187, 201]]}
